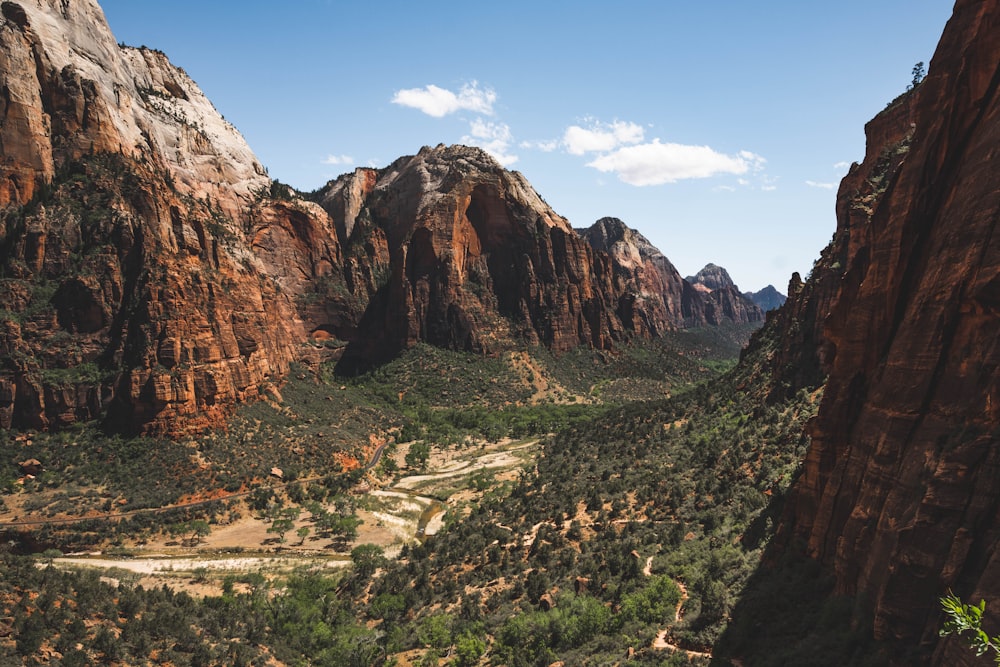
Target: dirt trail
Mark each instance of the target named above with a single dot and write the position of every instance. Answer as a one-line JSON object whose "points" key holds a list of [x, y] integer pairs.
{"points": [[534, 375], [161, 564], [660, 643]]}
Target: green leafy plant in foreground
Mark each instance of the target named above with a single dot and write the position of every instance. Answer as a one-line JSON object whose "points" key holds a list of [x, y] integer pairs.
{"points": [[969, 618]]}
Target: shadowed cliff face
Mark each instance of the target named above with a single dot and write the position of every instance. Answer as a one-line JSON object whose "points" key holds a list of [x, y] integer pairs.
{"points": [[900, 491], [151, 274], [147, 274], [474, 259]]}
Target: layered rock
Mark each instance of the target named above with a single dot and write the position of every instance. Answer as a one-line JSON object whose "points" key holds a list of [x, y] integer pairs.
{"points": [[656, 287], [900, 491], [153, 275], [723, 301], [476, 259], [144, 258], [656, 298]]}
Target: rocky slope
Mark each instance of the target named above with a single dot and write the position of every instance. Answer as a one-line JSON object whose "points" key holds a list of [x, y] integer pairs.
{"points": [[722, 298], [899, 494], [767, 298], [473, 258], [654, 283], [144, 262], [151, 273]]}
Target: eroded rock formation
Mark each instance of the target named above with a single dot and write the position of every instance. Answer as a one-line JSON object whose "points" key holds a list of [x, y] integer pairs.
{"points": [[475, 259], [140, 242], [723, 301], [151, 274], [900, 492]]}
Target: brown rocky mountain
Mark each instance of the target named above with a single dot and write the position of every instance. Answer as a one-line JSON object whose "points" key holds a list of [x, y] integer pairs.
{"points": [[723, 299], [768, 298], [655, 283], [475, 258], [135, 244], [152, 274], [900, 491]]}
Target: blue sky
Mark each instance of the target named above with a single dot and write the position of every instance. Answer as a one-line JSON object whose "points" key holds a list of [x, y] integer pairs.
{"points": [[719, 130]]}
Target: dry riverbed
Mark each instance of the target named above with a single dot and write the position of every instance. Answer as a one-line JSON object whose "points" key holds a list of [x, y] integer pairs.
{"points": [[398, 513]]}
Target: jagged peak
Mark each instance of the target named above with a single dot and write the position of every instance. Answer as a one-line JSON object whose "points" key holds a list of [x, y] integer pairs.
{"points": [[712, 277]]}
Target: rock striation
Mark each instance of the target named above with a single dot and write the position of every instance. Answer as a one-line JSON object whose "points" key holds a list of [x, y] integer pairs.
{"points": [[153, 275], [900, 491], [722, 299], [655, 284], [140, 241], [472, 258]]}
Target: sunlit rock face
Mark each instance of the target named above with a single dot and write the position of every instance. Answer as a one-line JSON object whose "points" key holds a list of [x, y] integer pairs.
{"points": [[152, 275], [139, 281], [900, 490]]}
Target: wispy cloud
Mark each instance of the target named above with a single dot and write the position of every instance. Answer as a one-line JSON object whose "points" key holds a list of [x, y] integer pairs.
{"points": [[840, 166], [544, 146], [338, 159], [439, 102], [494, 138], [657, 163], [824, 186], [601, 137]]}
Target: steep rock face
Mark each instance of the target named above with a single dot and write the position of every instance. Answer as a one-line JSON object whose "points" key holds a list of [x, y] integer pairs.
{"points": [[767, 298], [654, 289], [900, 492], [712, 277], [654, 284], [723, 301], [148, 274], [476, 260], [153, 275]]}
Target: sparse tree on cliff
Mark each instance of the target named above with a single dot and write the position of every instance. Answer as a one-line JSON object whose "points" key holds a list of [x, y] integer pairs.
{"points": [[918, 75]]}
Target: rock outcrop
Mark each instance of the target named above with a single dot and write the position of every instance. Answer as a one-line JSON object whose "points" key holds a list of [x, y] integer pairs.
{"points": [[143, 256], [653, 282], [723, 301], [768, 298], [475, 259], [153, 275], [900, 491], [472, 258]]}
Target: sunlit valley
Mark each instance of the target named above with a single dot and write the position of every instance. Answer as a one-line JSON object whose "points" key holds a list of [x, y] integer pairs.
{"points": [[416, 417]]}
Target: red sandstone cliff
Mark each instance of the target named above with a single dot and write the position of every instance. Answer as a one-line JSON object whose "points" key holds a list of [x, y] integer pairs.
{"points": [[146, 272], [722, 299], [151, 274], [474, 259], [900, 493]]}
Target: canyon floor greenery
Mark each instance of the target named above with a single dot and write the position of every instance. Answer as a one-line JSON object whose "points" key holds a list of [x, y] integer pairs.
{"points": [[591, 507]]}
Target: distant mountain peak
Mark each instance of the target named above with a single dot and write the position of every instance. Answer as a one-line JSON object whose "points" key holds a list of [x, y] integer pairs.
{"points": [[711, 278], [767, 298]]}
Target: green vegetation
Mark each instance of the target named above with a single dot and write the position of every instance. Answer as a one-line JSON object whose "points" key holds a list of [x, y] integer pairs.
{"points": [[968, 618], [635, 530]]}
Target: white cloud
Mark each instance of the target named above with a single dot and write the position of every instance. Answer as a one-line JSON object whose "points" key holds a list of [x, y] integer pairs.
{"points": [[601, 137], [439, 102], [657, 163], [824, 186], [841, 165], [338, 159], [544, 146], [754, 161], [494, 138]]}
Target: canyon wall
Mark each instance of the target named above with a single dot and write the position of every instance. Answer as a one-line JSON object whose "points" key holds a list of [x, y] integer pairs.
{"points": [[900, 491]]}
